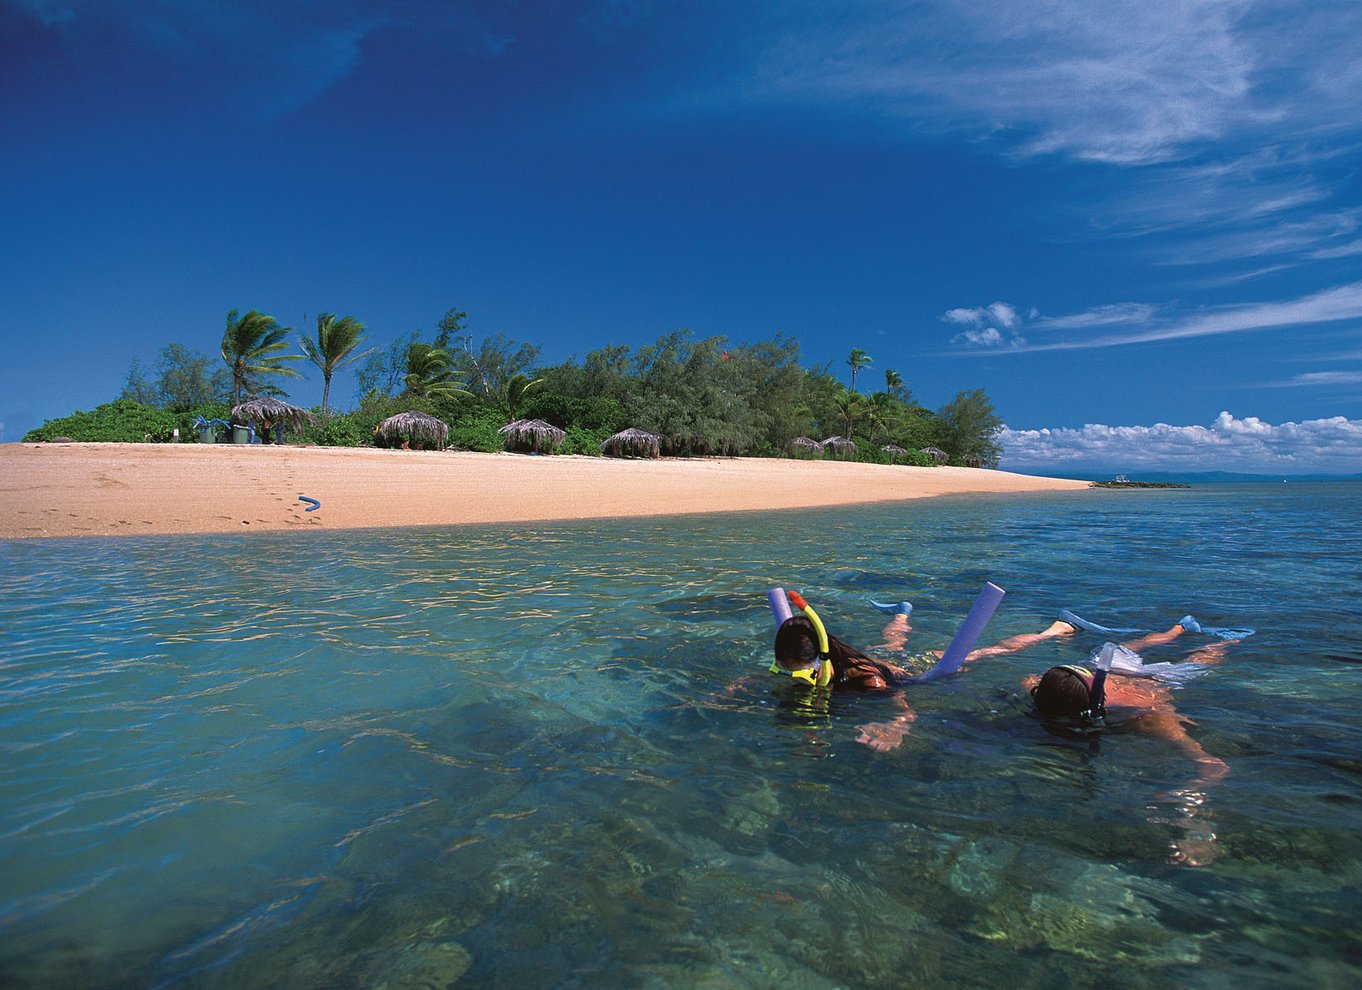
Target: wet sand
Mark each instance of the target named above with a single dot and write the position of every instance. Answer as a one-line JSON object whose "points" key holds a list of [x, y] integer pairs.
{"points": [[104, 489]]}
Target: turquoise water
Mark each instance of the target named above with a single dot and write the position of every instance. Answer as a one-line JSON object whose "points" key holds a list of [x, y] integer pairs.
{"points": [[549, 756]]}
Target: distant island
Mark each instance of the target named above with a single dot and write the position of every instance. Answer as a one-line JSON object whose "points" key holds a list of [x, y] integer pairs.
{"points": [[1121, 483]]}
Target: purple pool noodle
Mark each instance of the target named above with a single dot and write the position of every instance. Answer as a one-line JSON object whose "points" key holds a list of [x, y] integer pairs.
{"points": [[970, 630], [780, 605]]}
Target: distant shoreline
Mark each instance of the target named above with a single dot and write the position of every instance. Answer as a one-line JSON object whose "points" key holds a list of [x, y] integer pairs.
{"points": [[1139, 484], [114, 489]]}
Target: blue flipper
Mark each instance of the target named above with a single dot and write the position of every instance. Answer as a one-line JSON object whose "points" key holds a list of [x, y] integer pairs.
{"points": [[893, 608], [1078, 622]]}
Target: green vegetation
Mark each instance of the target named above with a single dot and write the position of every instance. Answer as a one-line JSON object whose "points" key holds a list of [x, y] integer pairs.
{"points": [[333, 347], [250, 347], [1138, 484], [127, 421], [701, 396]]}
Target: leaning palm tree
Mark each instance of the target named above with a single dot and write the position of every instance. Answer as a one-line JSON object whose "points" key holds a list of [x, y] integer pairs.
{"points": [[251, 346], [859, 359], [337, 337], [893, 381], [429, 373]]}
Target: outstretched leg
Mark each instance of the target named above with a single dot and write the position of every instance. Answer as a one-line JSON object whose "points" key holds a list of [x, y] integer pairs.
{"points": [[896, 632], [1155, 639], [1022, 641]]}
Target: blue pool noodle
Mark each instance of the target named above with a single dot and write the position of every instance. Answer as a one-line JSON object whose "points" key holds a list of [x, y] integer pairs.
{"points": [[780, 605], [970, 630]]}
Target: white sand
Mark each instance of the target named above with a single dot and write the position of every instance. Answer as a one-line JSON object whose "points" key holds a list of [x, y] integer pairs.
{"points": [[101, 489]]}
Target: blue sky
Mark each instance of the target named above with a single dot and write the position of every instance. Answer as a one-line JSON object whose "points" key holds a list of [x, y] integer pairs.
{"points": [[1136, 225]]}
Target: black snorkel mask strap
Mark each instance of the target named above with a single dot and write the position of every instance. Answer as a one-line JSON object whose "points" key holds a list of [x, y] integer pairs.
{"points": [[1097, 698], [1097, 690]]}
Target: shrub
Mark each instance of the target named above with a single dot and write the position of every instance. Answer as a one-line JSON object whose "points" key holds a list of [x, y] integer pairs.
{"points": [[120, 421], [870, 452], [583, 441], [916, 458], [340, 430], [476, 434]]}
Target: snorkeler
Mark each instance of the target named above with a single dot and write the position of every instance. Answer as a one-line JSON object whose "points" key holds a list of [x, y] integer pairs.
{"points": [[1132, 693], [806, 652]]}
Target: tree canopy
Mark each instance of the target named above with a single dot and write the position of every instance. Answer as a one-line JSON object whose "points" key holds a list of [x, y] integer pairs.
{"points": [[696, 395]]}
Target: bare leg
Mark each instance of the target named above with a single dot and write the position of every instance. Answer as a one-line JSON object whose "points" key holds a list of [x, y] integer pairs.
{"points": [[1212, 653], [896, 632], [1022, 641], [1154, 639]]}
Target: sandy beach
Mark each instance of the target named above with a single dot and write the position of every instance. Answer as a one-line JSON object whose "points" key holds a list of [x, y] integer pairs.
{"points": [[105, 489]]}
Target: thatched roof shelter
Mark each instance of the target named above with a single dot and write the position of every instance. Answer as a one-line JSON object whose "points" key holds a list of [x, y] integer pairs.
{"points": [[532, 434], [413, 426], [894, 451], [633, 443], [839, 447], [804, 447], [265, 409], [936, 454]]}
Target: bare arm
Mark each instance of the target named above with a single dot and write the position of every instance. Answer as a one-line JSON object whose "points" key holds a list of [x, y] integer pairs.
{"points": [[885, 736]]}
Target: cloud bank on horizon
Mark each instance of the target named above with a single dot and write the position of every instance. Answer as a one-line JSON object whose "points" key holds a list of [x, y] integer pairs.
{"points": [[1249, 445]]}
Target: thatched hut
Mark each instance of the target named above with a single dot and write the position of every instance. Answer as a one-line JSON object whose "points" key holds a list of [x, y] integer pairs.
{"points": [[633, 443], [894, 451], [269, 413], [413, 430], [804, 447], [839, 447], [936, 454], [533, 436]]}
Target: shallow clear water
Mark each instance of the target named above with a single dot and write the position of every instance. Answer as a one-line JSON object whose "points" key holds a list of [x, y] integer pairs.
{"points": [[550, 756]]}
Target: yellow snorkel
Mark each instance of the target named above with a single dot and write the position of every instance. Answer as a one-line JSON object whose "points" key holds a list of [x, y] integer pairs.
{"points": [[821, 674]]}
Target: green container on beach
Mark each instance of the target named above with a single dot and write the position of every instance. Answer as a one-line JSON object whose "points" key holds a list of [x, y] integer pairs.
{"points": [[208, 434], [241, 434]]}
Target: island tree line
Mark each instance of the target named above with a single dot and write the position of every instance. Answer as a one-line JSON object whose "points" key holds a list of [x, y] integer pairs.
{"points": [[700, 395]]}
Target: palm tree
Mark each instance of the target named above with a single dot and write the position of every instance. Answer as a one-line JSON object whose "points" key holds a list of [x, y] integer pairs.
{"points": [[331, 351], [893, 381], [851, 406], [512, 394], [428, 373], [250, 347], [879, 410], [859, 359]]}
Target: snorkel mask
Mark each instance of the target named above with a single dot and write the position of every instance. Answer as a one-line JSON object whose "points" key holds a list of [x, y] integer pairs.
{"points": [[820, 674]]}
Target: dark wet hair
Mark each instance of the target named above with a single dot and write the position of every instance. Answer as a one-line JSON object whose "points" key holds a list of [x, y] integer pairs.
{"points": [[796, 643], [1063, 692]]}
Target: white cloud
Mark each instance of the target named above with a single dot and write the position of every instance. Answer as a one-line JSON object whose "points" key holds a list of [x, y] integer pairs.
{"points": [[1113, 314], [985, 326], [1318, 378], [1249, 445], [1136, 323], [1246, 107], [1124, 81], [988, 337]]}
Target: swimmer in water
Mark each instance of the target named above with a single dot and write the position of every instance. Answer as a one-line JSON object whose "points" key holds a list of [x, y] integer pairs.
{"points": [[805, 652]]}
